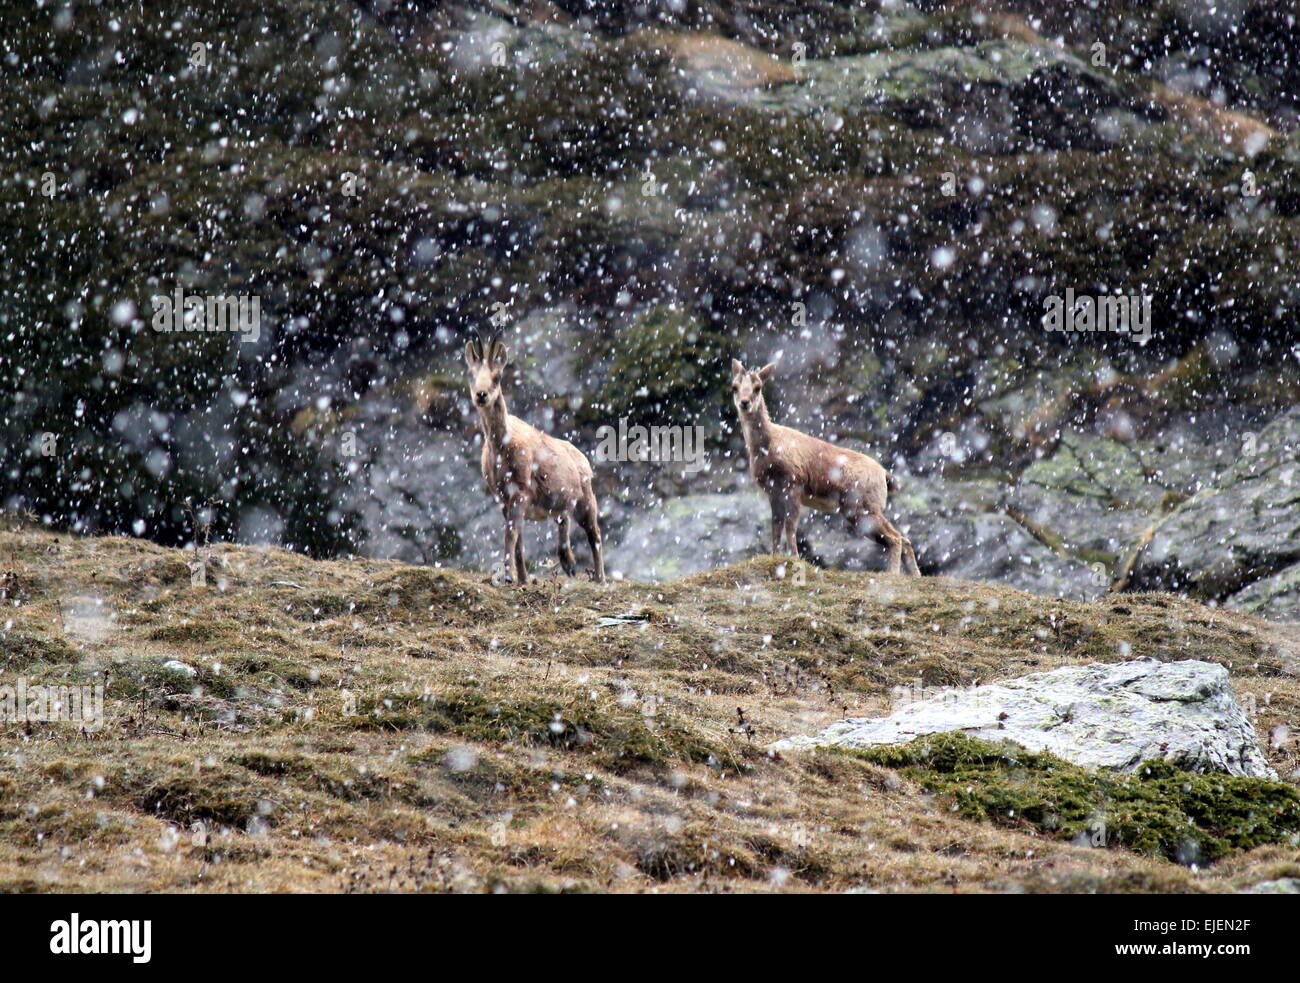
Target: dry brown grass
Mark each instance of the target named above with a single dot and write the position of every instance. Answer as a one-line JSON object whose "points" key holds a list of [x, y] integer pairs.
{"points": [[503, 740]]}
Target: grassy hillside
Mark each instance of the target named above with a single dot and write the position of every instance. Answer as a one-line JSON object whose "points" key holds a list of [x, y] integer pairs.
{"points": [[370, 726]]}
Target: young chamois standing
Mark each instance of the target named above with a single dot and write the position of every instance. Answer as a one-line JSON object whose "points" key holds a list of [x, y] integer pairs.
{"points": [[531, 474], [797, 470]]}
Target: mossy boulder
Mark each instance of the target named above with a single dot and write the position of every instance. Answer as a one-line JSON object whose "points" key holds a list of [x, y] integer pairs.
{"points": [[1108, 715]]}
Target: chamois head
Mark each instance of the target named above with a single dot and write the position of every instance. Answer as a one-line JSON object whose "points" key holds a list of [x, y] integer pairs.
{"points": [[485, 373], [747, 387]]}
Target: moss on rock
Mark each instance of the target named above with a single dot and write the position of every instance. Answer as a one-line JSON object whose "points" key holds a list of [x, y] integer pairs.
{"points": [[1160, 810], [667, 368]]}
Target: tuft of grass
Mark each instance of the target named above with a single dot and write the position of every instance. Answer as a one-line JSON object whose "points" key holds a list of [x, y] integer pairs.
{"points": [[619, 739], [267, 763], [216, 797], [450, 599], [21, 650], [196, 632]]}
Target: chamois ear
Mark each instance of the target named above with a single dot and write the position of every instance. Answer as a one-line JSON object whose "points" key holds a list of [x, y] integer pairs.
{"points": [[766, 370], [497, 354], [473, 354], [736, 369]]}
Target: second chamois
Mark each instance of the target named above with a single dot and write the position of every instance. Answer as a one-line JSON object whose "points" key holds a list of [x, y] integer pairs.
{"points": [[797, 470]]}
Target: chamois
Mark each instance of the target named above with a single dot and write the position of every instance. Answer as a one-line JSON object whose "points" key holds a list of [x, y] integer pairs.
{"points": [[796, 470], [531, 474]]}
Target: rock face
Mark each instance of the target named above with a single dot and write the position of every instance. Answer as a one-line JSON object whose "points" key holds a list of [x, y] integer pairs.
{"points": [[1238, 541], [1276, 597], [953, 528], [958, 531], [689, 534], [996, 84], [1102, 716]]}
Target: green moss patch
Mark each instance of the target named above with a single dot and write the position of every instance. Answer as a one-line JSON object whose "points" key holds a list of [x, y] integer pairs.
{"points": [[1160, 810]]}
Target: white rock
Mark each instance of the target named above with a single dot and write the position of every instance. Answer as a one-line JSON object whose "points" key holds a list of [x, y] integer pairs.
{"points": [[1283, 885], [1105, 715], [175, 665]]}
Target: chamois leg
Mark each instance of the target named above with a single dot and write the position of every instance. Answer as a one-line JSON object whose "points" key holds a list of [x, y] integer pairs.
{"points": [[514, 546], [909, 558], [568, 562], [785, 517], [791, 524], [519, 557], [884, 533], [588, 516]]}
